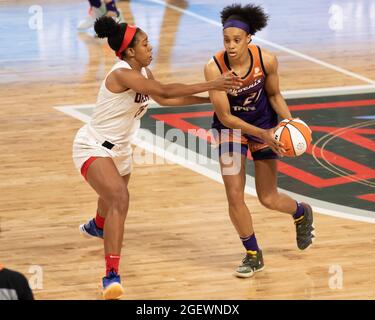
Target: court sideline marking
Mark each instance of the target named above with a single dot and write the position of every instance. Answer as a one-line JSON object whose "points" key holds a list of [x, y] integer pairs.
{"points": [[212, 172], [271, 44]]}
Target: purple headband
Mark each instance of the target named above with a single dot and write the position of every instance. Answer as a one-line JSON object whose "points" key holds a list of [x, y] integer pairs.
{"points": [[237, 24]]}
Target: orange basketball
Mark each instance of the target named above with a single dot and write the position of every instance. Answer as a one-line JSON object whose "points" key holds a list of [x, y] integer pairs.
{"points": [[296, 136]]}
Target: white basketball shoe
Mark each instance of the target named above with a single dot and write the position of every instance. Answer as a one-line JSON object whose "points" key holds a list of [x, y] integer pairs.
{"points": [[94, 13]]}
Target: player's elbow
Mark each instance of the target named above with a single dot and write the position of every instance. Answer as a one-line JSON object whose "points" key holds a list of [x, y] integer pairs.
{"points": [[226, 120], [165, 92], [273, 95], [165, 95], [162, 92]]}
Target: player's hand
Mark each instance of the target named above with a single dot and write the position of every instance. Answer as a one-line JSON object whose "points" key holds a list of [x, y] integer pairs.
{"points": [[268, 136], [227, 82]]}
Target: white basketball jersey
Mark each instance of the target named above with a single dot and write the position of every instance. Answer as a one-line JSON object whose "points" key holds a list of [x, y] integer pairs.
{"points": [[116, 116]]}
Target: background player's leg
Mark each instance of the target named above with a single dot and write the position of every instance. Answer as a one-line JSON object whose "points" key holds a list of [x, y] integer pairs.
{"points": [[112, 10], [95, 3], [97, 9]]}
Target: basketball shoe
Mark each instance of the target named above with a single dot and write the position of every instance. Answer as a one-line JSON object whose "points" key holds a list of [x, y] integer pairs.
{"points": [[94, 13], [251, 264], [90, 229], [112, 288], [305, 230], [120, 17]]}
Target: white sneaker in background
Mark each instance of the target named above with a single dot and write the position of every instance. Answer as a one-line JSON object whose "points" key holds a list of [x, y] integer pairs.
{"points": [[94, 14]]}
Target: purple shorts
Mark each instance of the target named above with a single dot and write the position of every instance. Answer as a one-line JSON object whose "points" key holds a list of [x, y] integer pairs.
{"points": [[241, 144]]}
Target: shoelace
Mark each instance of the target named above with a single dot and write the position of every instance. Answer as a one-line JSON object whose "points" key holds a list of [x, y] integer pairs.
{"points": [[304, 230]]}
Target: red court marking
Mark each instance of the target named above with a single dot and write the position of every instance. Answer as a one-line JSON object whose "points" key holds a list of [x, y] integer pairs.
{"points": [[367, 197], [360, 172], [353, 135], [359, 140], [175, 119], [330, 105]]}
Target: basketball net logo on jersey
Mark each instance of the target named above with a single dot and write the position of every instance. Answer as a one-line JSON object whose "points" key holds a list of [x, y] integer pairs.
{"points": [[143, 99], [257, 72]]}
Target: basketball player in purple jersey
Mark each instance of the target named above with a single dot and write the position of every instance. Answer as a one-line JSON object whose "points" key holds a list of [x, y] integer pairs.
{"points": [[254, 110]]}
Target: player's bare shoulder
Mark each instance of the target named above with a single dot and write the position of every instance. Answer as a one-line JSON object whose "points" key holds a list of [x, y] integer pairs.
{"points": [[211, 63], [269, 60], [211, 70]]}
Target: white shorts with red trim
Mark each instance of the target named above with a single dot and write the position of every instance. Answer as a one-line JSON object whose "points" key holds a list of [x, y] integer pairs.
{"points": [[87, 144]]}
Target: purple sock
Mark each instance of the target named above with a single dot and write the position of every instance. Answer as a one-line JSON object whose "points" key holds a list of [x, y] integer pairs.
{"points": [[299, 212], [250, 243], [95, 3], [111, 6]]}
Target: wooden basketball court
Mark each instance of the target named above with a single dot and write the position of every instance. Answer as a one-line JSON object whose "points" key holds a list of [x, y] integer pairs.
{"points": [[179, 242]]}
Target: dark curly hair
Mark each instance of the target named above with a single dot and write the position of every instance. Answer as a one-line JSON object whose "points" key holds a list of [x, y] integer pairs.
{"points": [[251, 14], [106, 27]]}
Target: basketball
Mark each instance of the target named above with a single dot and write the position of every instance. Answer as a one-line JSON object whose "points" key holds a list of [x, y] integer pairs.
{"points": [[296, 136]]}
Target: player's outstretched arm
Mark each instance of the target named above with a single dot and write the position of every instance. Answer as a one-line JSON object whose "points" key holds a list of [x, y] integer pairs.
{"points": [[131, 79], [180, 101]]}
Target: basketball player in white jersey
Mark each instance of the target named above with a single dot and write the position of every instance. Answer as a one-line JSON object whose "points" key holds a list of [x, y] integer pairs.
{"points": [[102, 148]]}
